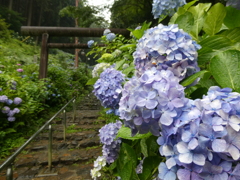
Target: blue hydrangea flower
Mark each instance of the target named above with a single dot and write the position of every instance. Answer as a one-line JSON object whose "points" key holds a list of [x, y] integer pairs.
{"points": [[90, 43], [108, 88], [110, 36], [156, 97], [9, 102], [203, 142], [166, 7], [3, 98], [111, 145], [167, 47], [17, 100]]}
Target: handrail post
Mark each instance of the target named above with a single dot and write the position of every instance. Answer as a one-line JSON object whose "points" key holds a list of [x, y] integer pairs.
{"points": [[50, 149], [64, 125], [74, 110], [10, 172]]}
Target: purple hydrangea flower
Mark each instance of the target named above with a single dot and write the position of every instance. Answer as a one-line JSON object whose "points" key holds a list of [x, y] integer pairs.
{"points": [[167, 47], [3, 98], [111, 145], [17, 100], [203, 141], [5, 109], [11, 113], [156, 97], [16, 110], [108, 87], [90, 43], [166, 7], [11, 119], [110, 36]]}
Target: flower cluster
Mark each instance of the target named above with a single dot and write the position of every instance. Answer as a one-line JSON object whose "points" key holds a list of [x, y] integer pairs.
{"points": [[19, 70], [166, 7], [204, 142], [7, 110], [90, 43], [99, 68], [167, 47], [110, 36], [155, 96], [108, 88], [111, 145], [98, 165]]}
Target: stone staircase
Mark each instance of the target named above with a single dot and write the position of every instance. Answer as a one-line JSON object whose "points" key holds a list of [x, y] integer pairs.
{"points": [[71, 159]]}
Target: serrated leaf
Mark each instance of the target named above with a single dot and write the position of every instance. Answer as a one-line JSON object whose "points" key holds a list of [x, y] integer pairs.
{"points": [[232, 17], [119, 64], [189, 80], [225, 68], [125, 133], [92, 81], [214, 19], [199, 13], [185, 21]]}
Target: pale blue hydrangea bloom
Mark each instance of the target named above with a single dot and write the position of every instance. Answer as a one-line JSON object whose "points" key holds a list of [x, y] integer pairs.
{"points": [[90, 43], [106, 31], [167, 47], [166, 7], [110, 36]]}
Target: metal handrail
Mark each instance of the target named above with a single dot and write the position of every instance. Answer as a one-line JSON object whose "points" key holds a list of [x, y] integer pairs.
{"points": [[9, 162]]}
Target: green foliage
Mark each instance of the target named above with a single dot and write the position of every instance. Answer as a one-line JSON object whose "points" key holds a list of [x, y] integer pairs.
{"points": [[85, 15], [4, 32], [225, 68]]}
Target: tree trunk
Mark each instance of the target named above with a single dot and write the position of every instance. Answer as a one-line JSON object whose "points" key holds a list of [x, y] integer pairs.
{"points": [[30, 13], [76, 40], [10, 8]]}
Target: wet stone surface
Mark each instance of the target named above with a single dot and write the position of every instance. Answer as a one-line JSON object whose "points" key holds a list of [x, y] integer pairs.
{"points": [[71, 159]]}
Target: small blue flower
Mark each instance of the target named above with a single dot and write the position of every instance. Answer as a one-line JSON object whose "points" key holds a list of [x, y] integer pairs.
{"points": [[9, 102], [90, 43], [110, 36], [17, 100]]}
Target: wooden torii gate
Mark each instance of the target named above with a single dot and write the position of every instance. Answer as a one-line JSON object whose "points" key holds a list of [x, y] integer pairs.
{"points": [[46, 32]]}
